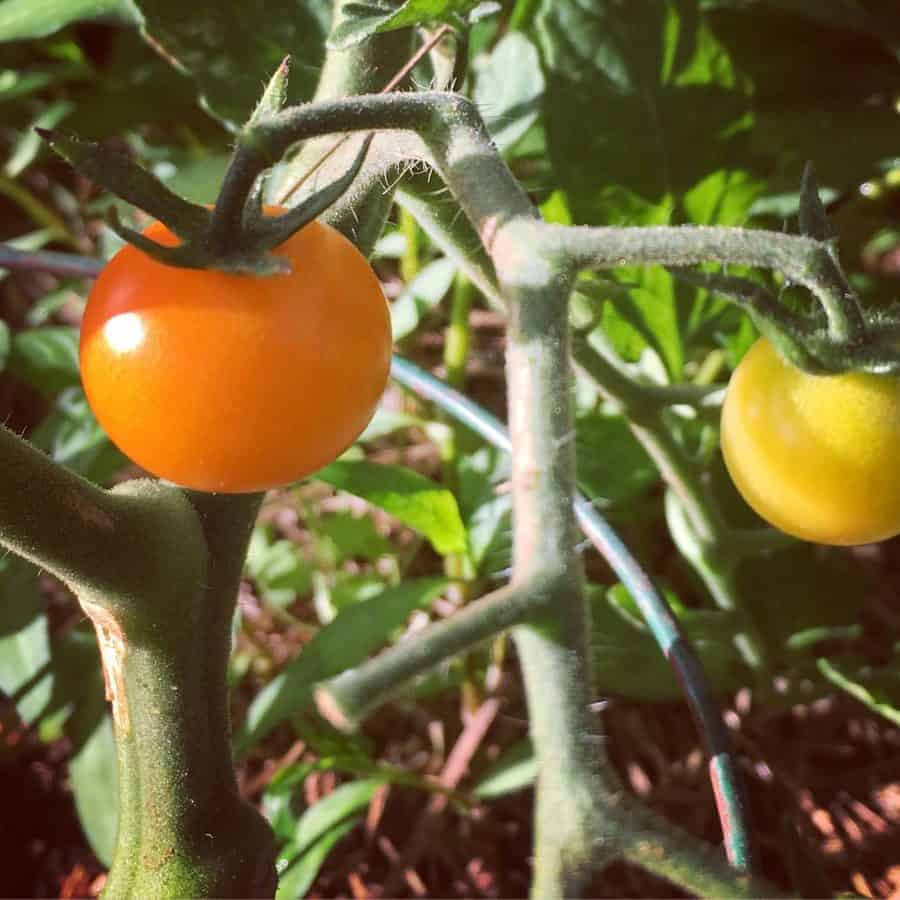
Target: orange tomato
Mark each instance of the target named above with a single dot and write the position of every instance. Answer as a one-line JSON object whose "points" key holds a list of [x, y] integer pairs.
{"points": [[235, 383]]}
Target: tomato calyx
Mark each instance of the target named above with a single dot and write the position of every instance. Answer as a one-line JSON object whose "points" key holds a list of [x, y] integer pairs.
{"points": [[237, 235]]}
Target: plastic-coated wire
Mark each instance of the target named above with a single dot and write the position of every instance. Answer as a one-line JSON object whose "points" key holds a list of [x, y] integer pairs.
{"points": [[48, 261], [654, 608]]}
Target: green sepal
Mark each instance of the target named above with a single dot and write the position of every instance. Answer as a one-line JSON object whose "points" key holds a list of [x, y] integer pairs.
{"points": [[271, 232], [124, 178], [271, 102], [195, 256]]}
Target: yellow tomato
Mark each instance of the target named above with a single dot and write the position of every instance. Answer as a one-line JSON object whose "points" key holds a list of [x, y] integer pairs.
{"points": [[818, 456]]}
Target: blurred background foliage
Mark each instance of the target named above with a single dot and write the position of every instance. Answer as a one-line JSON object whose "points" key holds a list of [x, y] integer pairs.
{"points": [[610, 112]]}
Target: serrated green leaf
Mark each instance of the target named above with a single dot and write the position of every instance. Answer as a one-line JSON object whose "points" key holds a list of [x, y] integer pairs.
{"points": [[354, 633], [361, 20], [28, 19], [93, 773], [405, 494]]}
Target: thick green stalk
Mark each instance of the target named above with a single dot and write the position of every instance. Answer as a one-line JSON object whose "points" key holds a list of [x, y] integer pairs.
{"points": [[576, 782], [159, 584], [165, 641]]}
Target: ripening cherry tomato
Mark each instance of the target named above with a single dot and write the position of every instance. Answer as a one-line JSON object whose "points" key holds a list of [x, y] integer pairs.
{"points": [[817, 456], [235, 383]]}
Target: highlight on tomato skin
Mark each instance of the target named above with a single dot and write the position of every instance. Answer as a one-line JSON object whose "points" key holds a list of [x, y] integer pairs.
{"points": [[814, 455], [235, 383]]}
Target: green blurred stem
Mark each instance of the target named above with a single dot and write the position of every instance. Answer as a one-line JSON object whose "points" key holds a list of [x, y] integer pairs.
{"points": [[523, 14], [409, 262], [456, 353], [37, 211], [458, 331]]}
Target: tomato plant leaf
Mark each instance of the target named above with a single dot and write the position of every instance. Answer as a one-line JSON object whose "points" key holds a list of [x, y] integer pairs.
{"points": [[47, 358], [28, 19], [93, 773], [815, 75], [72, 436], [638, 72], [24, 639], [318, 830], [302, 871], [508, 89], [232, 49], [514, 770], [355, 632], [613, 467], [343, 535], [363, 19], [278, 568], [486, 512], [421, 296], [405, 494]]}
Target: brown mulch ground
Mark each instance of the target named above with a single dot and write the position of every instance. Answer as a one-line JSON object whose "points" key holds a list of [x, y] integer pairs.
{"points": [[827, 771]]}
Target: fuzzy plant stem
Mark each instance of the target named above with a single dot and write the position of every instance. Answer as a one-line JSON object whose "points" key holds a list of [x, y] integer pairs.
{"points": [[348, 698], [803, 260], [159, 582]]}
